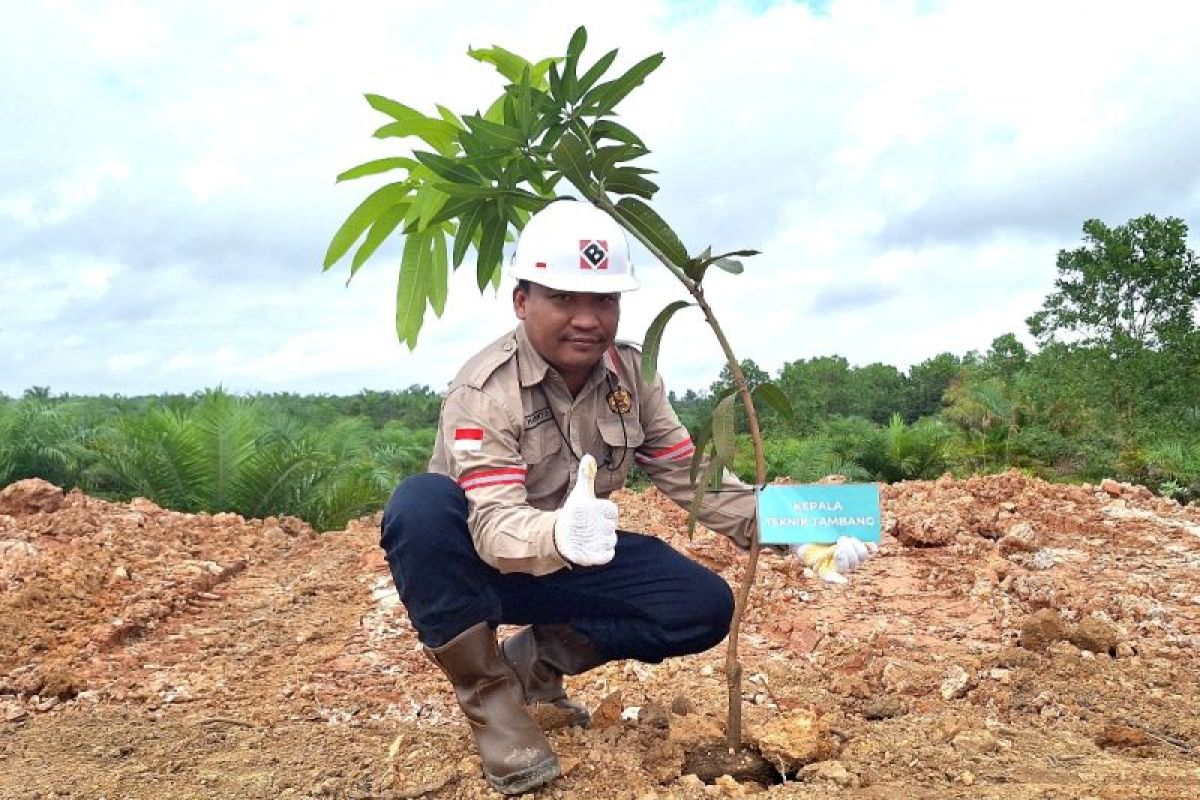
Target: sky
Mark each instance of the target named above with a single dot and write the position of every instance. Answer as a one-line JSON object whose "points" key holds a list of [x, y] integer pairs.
{"points": [[909, 171]]}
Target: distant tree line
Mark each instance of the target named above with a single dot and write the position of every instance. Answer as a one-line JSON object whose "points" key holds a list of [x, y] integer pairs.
{"points": [[323, 458], [1113, 390]]}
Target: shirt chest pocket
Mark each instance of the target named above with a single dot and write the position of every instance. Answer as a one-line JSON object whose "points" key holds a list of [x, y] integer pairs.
{"points": [[541, 450], [620, 438], [540, 444]]}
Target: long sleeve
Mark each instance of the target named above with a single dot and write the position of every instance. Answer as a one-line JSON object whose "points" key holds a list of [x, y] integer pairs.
{"points": [[666, 456], [478, 446]]}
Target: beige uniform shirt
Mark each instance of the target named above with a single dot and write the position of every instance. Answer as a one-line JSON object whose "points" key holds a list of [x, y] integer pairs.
{"points": [[511, 434]]}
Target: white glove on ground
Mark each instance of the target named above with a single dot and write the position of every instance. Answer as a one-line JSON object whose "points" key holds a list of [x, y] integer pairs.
{"points": [[585, 531], [831, 562]]}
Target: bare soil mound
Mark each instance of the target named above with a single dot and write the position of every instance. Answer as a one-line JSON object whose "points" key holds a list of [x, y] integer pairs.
{"points": [[1012, 639]]}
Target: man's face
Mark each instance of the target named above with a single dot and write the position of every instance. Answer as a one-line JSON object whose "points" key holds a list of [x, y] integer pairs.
{"points": [[571, 330]]}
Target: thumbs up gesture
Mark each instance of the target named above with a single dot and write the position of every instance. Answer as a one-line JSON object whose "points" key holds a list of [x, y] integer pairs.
{"points": [[585, 531]]}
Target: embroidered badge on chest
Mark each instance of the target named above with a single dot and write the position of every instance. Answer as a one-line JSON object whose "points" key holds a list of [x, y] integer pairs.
{"points": [[469, 439], [537, 418], [620, 401]]}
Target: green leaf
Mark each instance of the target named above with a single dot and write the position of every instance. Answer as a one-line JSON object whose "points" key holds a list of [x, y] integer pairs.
{"points": [[452, 209], [722, 429], [467, 190], [577, 43], [496, 276], [361, 218], [448, 168], [427, 202], [409, 122], [439, 273], [396, 110], [491, 246], [410, 290], [700, 441], [531, 171], [437, 134], [375, 167], [712, 473], [603, 98], [491, 134], [653, 339], [468, 222], [609, 155], [495, 112], [607, 129], [527, 201], [626, 181], [450, 117], [645, 221], [570, 156], [556, 83], [574, 50], [507, 63], [697, 266], [380, 230], [522, 97], [593, 74], [775, 398], [538, 73]]}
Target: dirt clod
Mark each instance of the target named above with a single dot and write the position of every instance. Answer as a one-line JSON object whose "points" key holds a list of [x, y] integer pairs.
{"points": [[975, 742], [795, 738], [1122, 736], [827, 771], [1096, 635], [30, 496], [884, 708], [608, 713], [1042, 629], [682, 705], [711, 761]]}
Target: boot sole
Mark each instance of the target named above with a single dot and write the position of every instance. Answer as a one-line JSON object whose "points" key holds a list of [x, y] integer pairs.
{"points": [[526, 779]]}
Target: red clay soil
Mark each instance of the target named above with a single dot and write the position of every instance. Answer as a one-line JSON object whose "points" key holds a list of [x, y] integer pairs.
{"points": [[1012, 639]]}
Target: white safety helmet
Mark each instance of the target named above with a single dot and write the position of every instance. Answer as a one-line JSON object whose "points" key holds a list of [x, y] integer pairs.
{"points": [[574, 247]]}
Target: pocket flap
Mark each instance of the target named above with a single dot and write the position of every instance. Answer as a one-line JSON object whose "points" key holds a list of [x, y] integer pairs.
{"points": [[618, 433]]}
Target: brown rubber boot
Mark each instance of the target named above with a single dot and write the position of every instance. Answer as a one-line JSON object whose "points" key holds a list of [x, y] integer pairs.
{"points": [[515, 754], [541, 655]]}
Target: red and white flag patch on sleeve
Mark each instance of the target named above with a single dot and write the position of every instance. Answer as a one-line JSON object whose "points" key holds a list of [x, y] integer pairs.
{"points": [[469, 439], [504, 476]]}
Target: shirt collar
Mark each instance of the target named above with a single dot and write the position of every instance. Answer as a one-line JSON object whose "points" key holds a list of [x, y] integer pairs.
{"points": [[532, 367]]}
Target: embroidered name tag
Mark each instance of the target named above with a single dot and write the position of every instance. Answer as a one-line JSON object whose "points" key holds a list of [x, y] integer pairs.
{"points": [[537, 418]]}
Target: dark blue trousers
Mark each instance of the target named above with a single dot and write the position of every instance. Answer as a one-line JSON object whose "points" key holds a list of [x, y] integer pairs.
{"points": [[648, 603]]}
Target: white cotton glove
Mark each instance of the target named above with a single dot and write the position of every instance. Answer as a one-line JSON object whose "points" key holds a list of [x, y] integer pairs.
{"points": [[850, 553], [585, 531], [831, 562]]}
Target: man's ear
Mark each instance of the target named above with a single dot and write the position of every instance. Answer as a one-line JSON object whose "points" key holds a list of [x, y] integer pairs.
{"points": [[519, 298]]}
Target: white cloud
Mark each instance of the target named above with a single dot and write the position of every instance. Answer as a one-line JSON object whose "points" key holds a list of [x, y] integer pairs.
{"points": [[908, 170]]}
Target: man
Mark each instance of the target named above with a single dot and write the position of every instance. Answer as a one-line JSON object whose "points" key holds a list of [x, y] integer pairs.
{"points": [[496, 532], [483, 538]]}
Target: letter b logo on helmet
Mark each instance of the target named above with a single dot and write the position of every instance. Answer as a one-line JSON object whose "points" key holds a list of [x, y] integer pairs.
{"points": [[593, 254], [575, 247]]}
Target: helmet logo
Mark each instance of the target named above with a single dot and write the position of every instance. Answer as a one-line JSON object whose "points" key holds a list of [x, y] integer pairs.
{"points": [[593, 254]]}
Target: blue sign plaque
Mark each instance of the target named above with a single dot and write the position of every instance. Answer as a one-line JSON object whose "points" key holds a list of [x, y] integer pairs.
{"points": [[818, 512]]}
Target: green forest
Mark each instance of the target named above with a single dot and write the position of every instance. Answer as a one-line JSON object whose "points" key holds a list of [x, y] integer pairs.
{"points": [[1112, 390]]}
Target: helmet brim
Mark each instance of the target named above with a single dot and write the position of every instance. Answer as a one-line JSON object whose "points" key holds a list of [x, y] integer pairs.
{"points": [[592, 284]]}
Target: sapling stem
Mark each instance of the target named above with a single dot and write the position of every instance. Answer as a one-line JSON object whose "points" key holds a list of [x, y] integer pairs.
{"points": [[733, 666]]}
